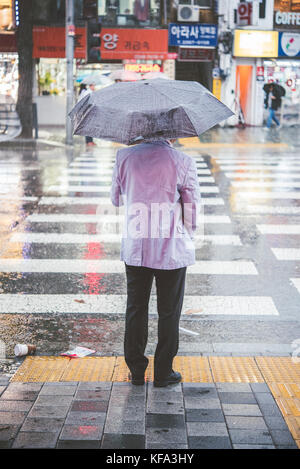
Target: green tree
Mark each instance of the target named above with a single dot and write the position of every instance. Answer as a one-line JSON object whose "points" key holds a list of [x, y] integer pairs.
{"points": [[24, 46]]}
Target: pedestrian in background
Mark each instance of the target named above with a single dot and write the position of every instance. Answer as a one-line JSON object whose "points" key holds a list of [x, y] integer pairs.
{"points": [[148, 174], [273, 103], [83, 91]]}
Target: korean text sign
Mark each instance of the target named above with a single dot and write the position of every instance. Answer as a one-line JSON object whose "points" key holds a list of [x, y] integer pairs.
{"points": [[201, 35]]}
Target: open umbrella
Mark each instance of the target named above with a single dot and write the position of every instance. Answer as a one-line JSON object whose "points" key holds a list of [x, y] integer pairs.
{"points": [[125, 112], [279, 90], [96, 79], [125, 75]]}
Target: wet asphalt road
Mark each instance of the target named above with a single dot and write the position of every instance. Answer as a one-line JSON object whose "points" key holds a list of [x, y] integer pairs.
{"points": [[61, 282]]}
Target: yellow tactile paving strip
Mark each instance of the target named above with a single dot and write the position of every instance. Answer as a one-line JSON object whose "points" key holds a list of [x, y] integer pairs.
{"points": [[281, 374], [194, 142]]}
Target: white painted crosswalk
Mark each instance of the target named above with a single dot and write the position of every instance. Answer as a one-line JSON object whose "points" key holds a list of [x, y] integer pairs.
{"points": [[116, 304], [273, 228], [116, 266]]}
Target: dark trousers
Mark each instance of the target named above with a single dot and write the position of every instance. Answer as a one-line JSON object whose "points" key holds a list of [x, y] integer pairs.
{"points": [[170, 292]]}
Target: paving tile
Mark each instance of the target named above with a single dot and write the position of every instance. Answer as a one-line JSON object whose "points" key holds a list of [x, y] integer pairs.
{"points": [[92, 394], [251, 437], [81, 432], [13, 418], [240, 409], [254, 447], [7, 435], [85, 418], [198, 385], [270, 409], [19, 395], [246, 422], [128, 401], [275, 423], [200, 393], [128, 427], [174, 397], [78, 444], [166, 435], [114, 441], [282, 437], [35, 440], [46, 400], [123, 413], [58, 390], [15, 406], [91, 385], [259, 387], [165, 421], [2, 389], [204, 415], [166, 446], [89, 406], [198, 403], [236, 398], [42, 424], [24, 386], [206, 429], [233, 387], [265, 398], [165, 408], [209, 442], [48, 411]]}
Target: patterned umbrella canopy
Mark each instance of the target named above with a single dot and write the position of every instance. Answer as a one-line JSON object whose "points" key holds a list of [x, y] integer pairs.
{"points": [[147, 109]]}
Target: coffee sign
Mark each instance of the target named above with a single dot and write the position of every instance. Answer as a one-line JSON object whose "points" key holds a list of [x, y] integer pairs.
{"points": [[286, 14]]}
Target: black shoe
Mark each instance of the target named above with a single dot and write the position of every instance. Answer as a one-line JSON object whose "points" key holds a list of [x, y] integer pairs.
{"points": [[137, 380], [173, 378]]}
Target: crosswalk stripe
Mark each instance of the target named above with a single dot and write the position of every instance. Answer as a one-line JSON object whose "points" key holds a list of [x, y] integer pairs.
{"points": [[237, 175], [64, 180], [102, 218], [12, 198], [268, 195], [277, 183], [261, 209], [286, 254], [267, 161], [75, 238], [110, 165], [260, 167], [113, 266], [296, 282], [79, 188], [279, 229], [106, 200], [116, 304]]}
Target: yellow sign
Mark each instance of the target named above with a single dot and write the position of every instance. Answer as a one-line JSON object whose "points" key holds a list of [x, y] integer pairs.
{"points": [[217, 88], [249, 43], [143, 68]]}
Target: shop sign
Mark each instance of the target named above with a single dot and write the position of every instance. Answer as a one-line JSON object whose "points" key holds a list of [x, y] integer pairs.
{"points": [[286, 14], [195, 54], [142, 68], [260, 73], [249, 43], [8, 43], [7, 15], [144, 44], [50, 42], [244, 13], [288, 45], [201, 35]]}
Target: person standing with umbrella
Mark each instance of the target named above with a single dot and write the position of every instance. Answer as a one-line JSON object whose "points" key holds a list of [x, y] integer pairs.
{"points": [[160, 190]]}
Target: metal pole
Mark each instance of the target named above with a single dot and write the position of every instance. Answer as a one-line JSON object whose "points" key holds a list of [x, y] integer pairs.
{"points": [[70, 35]]}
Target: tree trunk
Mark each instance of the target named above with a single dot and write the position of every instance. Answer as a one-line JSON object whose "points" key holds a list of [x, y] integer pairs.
{"points": [[24, 45]]}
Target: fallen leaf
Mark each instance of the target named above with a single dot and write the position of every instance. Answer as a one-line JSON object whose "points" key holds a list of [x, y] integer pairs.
{"points": [[79, 301], [193, 311]]}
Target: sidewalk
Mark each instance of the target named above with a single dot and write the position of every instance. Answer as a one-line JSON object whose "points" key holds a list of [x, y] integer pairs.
{"points": [[222, 403]]}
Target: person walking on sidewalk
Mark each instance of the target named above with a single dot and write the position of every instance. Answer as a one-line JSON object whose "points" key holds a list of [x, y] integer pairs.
{"points": [[273, 102], [83, 91], [159, 187]]}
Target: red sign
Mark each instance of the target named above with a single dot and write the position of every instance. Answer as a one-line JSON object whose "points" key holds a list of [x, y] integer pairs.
{"points": [[120, 44], [50, 42], [244, 14]]}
